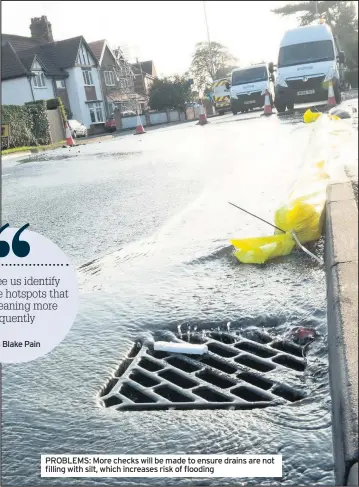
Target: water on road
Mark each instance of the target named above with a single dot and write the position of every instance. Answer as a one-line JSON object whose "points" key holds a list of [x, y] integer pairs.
{"points": [[146, 220]]}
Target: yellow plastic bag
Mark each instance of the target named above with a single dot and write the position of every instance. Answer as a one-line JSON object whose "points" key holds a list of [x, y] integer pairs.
{"points": [[303, 216], [259, 250], [310, 117], [303, 212]]}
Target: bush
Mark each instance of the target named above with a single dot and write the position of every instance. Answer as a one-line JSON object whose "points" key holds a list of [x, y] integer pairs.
{"points": [[41, 127], [21, 126]]}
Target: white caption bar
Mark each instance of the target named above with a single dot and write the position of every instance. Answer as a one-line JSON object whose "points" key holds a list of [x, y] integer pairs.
{"points": [[161, 466]]}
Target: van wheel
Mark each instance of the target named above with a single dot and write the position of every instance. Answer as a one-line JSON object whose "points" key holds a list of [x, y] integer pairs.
{"points": [[290, 106], [280, 107], [234, 112]]}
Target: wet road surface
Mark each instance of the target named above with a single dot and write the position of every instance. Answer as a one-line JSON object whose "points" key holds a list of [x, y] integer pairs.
{"points": [[146, 220]]}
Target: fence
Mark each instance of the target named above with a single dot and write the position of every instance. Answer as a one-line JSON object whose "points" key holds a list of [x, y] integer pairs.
{"points": [[131, 122], [192, 113], [155, 118]]}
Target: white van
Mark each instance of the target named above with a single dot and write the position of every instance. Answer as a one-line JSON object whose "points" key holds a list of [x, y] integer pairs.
{"points": [[308, 59], [248, 86]]}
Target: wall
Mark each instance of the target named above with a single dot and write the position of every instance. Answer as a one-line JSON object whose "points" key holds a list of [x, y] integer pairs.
{"points": [[192, 113], [77, 94], [131, 122], [72, 83], [56, 125], [44, 93], [160, 117], [16, 91], [174, 116], [155, 118]]}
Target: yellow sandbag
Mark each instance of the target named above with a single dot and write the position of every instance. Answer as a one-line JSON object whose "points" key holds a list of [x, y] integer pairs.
{"points": [[304, 210], [310, 117], [304, 218], [260, 249]]}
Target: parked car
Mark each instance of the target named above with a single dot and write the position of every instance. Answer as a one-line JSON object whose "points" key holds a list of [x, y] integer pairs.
{"points": [[77, 128], [110, 125], [128, 113]]}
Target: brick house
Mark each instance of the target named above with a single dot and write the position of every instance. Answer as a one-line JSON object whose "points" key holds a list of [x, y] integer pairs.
{"points": [[38, 68], [145, 74], [117, 79]]}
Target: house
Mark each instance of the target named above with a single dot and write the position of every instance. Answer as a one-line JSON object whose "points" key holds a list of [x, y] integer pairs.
{"points": [[39, 68], [145, 74], [117, 79]]}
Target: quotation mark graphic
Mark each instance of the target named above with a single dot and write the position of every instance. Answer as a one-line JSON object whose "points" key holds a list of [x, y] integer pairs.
{"points": [[20, 248]]}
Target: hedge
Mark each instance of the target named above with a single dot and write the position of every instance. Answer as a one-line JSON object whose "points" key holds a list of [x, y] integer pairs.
{"points": [[29, 125], [21, 126], [41, 126]]}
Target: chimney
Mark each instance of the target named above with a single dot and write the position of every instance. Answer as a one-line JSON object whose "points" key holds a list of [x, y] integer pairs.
{"points": [[41, 29]]}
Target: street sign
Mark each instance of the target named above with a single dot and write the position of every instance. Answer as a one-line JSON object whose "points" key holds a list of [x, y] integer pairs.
{"points": [[5, 129], [5, 134]]}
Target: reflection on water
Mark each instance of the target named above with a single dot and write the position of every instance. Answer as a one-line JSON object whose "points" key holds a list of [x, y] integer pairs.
{"points": [[153, 229]]}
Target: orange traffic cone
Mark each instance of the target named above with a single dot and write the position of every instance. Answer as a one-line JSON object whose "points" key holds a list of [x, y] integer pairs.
{"points": [[202, 116], [267, 104], [331, 96], [139, 127], [69, 139]]}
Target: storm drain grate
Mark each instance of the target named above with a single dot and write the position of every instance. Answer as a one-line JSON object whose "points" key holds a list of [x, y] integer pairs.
{"points": [[236, 373]]}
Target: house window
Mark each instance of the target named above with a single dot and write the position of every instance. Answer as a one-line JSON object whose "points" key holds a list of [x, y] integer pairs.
{"points": [[60, 83], [39, 79], [95, 112], [109, 78], [87, 77], [83, 56]]}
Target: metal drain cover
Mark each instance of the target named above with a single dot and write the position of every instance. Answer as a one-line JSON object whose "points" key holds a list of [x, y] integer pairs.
{"points": [[232, 375]]}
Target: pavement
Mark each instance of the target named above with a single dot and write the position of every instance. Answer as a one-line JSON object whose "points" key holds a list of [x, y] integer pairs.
{"points": [[341, 262]]}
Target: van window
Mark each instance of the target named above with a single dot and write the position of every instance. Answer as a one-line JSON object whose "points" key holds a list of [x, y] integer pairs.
{"points": [[307, 52], [251, 75]]}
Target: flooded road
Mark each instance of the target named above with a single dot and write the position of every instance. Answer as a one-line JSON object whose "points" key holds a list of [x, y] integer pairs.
{"points": [[147, 222]]}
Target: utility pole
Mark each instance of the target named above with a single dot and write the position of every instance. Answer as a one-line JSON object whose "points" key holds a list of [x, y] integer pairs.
{"points": [[209, 41], [316, 10]]}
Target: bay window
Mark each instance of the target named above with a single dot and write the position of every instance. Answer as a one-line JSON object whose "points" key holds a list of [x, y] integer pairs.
{"points": [[86, 73], [109, 78], [95, 110]]}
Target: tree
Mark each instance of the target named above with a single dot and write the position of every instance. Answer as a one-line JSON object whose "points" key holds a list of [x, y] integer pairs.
{"points": [[170, 92], [210, 62], [340, 16]]}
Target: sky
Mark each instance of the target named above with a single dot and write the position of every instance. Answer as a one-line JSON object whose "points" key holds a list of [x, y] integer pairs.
{"points": [[165, 32]]}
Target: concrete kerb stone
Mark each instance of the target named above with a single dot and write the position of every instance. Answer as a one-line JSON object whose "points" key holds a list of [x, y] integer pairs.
{"points": [[353, 475], [341, 259]]}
